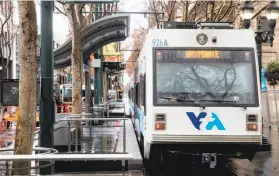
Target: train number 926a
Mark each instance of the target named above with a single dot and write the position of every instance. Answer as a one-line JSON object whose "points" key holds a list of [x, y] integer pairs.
{"points": [[159, 42]]}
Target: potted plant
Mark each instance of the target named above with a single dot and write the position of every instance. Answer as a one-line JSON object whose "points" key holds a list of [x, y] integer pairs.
{"points": [[272, 73]]}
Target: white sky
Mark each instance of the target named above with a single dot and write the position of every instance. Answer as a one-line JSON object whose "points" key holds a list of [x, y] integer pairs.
{"points": [[61, 25]]}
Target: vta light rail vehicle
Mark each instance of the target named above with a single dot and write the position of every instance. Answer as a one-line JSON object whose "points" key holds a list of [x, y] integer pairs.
{"points": [[197, 91]]}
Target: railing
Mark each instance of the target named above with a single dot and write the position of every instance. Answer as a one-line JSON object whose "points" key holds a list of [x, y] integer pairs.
{"points": [[51, 155], [73, 121], [106, 107], [270, 102], [65, 157], [77, 119], [8, 158], [76, 123]]}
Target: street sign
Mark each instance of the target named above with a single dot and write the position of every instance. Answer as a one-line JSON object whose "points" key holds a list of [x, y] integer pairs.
{"points": [[87, 1], [96, 63]]}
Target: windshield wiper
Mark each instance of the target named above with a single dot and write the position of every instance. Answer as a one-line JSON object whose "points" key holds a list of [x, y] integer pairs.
{"points": [[183, 100], [176, 99], [221, 101]]}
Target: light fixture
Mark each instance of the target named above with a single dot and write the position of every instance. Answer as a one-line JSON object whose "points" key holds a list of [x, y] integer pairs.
{"points": [[247, 12], [272, 12]]}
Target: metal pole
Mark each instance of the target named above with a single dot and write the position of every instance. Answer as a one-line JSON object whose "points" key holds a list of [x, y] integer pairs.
{"points": [[124, 136], [76, 137], [259, 52], [101, 69], [124, 110], [268, 109], [96, 70], [275, 104], [87, 88], [108, 111], [69, 137], [47, 113]]}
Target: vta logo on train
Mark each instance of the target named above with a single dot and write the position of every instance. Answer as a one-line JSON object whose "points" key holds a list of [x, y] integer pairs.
{"points": [[205, 121]]}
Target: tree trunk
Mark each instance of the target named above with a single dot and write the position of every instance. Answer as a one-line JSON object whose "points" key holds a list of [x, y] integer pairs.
{"points": [[27, 85], [75, 59]]}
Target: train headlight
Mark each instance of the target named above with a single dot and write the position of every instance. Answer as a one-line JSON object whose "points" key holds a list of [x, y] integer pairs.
{"points": [[251, 122], [160, 121], [160, 126], [252, 127]]}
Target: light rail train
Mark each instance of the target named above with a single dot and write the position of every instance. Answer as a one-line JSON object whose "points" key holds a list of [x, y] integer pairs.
{"points": [[197, 91]]}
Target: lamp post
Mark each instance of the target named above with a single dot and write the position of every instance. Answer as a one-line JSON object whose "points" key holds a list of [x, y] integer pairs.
{"points": [[272, 13]]}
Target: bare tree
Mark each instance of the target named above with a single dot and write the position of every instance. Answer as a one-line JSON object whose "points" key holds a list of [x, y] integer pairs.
{"points": [[138, 38], [78, 21], [188, 11], [195, 11], [27, 85], [8, 32]]}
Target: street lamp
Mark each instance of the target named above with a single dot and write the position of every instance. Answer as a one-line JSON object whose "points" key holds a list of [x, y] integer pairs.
{"points": [[246, 13], [272, 13]]}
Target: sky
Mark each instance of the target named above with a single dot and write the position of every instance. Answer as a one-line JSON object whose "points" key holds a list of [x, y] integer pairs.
{"points": [[137, 20], [61, 24]]}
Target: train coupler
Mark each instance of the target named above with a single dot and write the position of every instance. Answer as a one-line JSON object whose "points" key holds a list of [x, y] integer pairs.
{"points": [[210, 158]]}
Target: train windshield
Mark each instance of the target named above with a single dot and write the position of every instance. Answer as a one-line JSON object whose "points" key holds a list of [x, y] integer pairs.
{"points": [[209, 77]]}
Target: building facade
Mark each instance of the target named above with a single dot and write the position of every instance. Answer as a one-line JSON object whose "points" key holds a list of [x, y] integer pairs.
{"points": [[7, 36]]}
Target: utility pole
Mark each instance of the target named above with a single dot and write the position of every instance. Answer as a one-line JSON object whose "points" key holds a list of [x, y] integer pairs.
{"points": [[47, 113], [88, 90], [96, 70], [101, 69]]}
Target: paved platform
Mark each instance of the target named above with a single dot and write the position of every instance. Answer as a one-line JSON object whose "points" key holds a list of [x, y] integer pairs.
{"points": [[264, 163], [129, 173]]}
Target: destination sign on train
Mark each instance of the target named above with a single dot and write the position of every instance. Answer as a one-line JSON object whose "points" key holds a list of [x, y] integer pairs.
{"points": [[203, 54]]}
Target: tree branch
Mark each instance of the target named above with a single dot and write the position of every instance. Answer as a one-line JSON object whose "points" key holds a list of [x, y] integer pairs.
{"points": [[219, 10], [172, 10], [219, 19], [60, 11], [61, 2], [212, 11], [260, 11], [206, 10], [154, 9]]}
